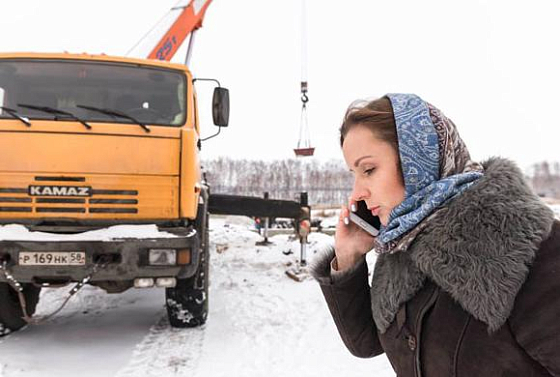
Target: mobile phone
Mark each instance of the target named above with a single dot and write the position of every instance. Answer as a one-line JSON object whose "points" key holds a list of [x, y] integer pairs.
{"points": [[365, 219]]}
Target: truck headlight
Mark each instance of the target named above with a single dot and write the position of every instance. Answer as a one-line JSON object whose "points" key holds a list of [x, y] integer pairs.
{"points": [[162, 257], [143, 282], [166, 282]]}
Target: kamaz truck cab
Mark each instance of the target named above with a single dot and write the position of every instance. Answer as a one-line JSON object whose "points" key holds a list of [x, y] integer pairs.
{"points": [[100, 181]]}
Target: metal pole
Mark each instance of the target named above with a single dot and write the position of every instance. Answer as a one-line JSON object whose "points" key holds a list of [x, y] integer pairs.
{"points": [[190, 48], [265, 242], [266, 223], [303, 253], [265, 230], [303, 199]]}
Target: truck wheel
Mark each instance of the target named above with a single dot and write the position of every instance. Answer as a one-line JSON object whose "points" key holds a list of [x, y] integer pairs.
{"points": [[187, 302], [11, 315]]}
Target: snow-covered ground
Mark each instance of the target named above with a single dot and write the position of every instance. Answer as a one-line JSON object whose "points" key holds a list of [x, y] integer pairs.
{"points": [[261, 323]]}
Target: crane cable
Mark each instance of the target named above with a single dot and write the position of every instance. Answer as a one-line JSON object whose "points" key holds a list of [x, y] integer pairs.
{"points": [[304, 140]]}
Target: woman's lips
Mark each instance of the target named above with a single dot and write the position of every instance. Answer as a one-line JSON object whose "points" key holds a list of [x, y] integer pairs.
{"points": [[375, 211]]}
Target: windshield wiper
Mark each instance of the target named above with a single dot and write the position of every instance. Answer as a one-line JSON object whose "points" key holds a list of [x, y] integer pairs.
{"points": [[115, 113], [55, 112], [15, 115]]}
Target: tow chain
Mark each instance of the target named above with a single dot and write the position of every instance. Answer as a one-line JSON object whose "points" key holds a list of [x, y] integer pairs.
{"points": [[18, 287]]}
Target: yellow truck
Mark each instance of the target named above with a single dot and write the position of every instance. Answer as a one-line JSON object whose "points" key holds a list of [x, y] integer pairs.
{"points": [[100, 181]]}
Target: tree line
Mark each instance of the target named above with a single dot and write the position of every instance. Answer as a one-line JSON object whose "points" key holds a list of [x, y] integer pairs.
{"points": [[545, 179], [327, 183]]}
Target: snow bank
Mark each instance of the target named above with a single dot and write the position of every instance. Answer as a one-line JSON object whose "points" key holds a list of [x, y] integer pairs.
{"points": [[16, 232]]}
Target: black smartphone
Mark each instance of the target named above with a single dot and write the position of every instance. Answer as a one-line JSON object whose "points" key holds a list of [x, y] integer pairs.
{"points": [[365, 219]]}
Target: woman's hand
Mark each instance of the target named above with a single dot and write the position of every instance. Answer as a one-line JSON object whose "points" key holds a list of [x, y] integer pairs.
{"points": [[351, 242]]}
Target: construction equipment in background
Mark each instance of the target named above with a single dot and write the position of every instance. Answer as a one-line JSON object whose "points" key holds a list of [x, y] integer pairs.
{"points": [[300, 211]]}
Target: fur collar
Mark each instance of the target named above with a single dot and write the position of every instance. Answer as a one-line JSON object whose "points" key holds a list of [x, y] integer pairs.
{"points": [[478, 249]]}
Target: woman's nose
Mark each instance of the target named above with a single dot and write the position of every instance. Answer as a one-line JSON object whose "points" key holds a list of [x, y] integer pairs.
{"points": [[359, 192]]}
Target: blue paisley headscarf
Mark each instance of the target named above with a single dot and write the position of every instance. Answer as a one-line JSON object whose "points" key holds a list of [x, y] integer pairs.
{"points": [[436, 167]]}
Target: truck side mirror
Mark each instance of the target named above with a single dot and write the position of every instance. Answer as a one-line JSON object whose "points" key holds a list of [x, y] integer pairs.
{"points": [[220, 107]]}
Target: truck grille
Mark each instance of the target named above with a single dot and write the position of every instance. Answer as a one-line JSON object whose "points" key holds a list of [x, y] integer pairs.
{"points": [[98, 202]]}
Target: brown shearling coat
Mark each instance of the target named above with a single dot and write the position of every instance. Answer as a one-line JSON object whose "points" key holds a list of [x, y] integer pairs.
{"points": [[477, 294]]}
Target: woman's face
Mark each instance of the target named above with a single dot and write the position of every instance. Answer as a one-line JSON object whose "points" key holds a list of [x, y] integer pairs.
{"points": [[374, 164]]}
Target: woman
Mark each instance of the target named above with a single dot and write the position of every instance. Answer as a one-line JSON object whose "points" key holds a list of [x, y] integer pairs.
{"points": [[467, 278]]}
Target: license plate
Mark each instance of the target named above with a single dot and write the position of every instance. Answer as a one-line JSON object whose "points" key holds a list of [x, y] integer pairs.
{"points": [[54, 258]]}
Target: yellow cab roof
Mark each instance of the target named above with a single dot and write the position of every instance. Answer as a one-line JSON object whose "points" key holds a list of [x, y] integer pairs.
{"points": [[93, 57]]}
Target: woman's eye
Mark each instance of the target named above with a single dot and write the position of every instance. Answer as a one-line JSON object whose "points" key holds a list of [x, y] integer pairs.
{"points": [[369, 171]]}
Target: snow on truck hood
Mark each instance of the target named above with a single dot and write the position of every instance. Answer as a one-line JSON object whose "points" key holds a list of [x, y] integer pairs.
{"points": [[16, 232]]}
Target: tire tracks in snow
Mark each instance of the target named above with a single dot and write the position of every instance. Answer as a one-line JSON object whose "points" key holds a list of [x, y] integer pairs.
{"points": [[258, 315], [165, 351]]}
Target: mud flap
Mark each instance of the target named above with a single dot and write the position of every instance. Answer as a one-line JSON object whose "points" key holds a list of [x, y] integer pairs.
{"points": [[11, 314]]}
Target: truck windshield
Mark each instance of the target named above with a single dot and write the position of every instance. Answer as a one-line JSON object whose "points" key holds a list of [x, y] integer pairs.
{"points": [[146, 94]]}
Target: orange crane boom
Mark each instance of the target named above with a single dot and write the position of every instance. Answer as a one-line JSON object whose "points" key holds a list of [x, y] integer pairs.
{"points": [[188, 21]]}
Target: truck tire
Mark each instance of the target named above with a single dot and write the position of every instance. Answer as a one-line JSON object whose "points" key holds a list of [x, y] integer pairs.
{"points": [[187, 302], [11, 315]]}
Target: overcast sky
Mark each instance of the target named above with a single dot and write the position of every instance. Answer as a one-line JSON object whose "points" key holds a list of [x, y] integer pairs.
{"points": [[491, 66]]}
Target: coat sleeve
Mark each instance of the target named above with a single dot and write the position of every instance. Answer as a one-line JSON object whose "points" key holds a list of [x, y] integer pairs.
{"points": [[348, 298], [535, 318]]}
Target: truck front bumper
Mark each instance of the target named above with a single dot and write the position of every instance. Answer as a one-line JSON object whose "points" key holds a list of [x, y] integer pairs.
{"points": [[127, 259]]}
